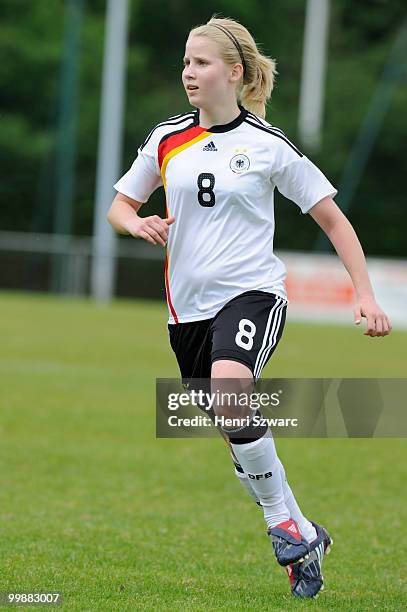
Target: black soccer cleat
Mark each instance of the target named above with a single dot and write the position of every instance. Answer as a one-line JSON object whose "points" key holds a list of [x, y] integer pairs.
{"points": [[288, 543], [306, 578]]}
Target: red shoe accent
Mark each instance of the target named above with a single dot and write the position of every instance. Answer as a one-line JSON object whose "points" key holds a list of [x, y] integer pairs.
{"points": [[292, 528], [289, 570]]}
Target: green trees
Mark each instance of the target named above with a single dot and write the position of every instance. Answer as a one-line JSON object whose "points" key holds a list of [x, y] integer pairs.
{"points": [[31, 38]]}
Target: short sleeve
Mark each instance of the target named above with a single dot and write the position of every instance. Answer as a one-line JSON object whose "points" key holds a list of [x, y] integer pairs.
{"points": [[144, 176], [298, 179]]}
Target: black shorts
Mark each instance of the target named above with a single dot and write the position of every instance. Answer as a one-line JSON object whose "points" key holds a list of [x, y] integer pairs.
{"points": [[247, 329]]}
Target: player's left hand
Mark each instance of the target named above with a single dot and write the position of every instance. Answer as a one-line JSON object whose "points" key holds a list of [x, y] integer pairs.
{"points": [[378, 323]]}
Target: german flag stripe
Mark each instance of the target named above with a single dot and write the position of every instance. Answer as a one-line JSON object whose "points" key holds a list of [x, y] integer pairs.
{"points": [[167, 265], [167, 288], [177, 142], [168, 148]]}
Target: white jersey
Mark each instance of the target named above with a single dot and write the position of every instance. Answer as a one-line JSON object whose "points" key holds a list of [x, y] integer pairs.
{"points": [[219, 185]]}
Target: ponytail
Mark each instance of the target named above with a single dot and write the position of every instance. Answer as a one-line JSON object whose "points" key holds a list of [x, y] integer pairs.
{"points": [[256, 85]]}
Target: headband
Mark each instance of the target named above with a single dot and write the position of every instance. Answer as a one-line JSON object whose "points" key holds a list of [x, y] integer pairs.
{"points": [[234, 41]]}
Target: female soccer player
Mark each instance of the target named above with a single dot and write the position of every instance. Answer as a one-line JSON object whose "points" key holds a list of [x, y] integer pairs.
{"points": [[219, 165]]}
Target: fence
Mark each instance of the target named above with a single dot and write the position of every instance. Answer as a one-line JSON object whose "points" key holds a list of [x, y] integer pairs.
{"points": [[318, 286]]}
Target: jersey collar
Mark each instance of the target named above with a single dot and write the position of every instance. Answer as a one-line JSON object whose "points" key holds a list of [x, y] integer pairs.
{"points": [[228, 126]]}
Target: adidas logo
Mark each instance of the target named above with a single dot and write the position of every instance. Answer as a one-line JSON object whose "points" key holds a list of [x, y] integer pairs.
{"points": [[292, 528], [210, 147]]}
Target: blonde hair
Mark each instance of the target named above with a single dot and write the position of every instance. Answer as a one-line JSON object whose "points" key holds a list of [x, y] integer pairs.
{"points": [[256, 85]]}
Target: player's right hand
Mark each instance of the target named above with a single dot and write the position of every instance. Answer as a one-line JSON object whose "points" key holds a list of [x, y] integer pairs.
{"points": [[152, 229]]}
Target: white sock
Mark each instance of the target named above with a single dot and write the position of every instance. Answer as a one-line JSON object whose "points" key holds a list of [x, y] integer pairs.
{"points": [[245, 482], [260, 462], [306, 528]]}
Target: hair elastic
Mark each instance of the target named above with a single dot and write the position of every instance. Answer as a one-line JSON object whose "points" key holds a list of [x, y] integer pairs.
{"points": [[234, 41]]}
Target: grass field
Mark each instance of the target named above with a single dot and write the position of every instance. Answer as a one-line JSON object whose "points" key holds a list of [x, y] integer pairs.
{"points": [[94, 506]]}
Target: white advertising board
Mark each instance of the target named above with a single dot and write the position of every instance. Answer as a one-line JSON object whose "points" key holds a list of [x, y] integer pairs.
{"points": [[320, 289]]}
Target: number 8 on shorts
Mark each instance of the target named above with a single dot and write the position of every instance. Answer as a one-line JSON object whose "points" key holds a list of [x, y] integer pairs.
{"points": [[245, 335]]}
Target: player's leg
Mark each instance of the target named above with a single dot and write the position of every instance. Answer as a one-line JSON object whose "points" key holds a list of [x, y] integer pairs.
{"points": [[192, 345], [306, 527], [305, 578], [255, 323], [254, 448], [241, 474], [247, 331]]}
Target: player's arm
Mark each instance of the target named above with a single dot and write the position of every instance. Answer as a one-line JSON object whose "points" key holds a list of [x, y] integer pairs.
{"points": [[343, 237], [124, 218]]}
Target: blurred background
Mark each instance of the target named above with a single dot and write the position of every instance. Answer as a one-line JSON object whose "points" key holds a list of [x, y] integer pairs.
{"points": [[91, 503], [82, 83]]}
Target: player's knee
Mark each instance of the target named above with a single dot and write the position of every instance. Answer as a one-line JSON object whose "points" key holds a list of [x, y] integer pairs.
{"points": [[232, 412], [232, 384]]}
